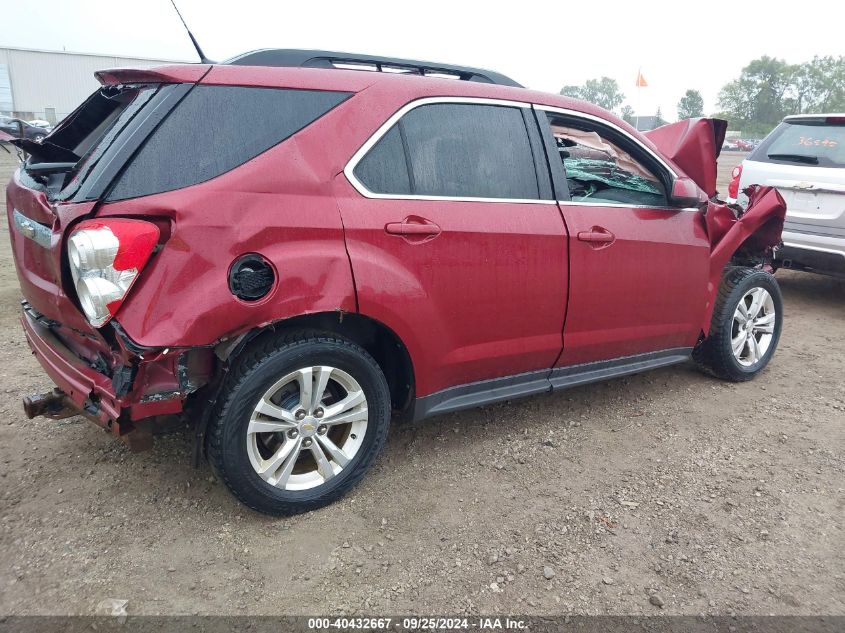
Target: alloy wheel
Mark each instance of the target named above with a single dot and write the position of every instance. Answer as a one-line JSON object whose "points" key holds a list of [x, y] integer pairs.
{"points": [[753, 327], [307, 427]]}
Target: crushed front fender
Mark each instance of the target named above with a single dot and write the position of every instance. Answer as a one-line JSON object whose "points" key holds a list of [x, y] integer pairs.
{"points": [[755, 232]]}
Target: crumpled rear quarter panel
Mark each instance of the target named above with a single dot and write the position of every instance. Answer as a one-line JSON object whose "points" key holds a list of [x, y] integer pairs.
{"points": [[279, 205]]}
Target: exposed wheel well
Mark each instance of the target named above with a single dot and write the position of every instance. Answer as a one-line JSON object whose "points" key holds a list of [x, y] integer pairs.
{"points": [[375, 337]]}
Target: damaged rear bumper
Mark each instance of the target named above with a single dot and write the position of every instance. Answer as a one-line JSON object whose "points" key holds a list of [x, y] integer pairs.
{"points": [[89, 391], [116, 394]]}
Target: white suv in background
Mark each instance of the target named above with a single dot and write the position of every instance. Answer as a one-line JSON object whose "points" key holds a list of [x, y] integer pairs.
{"points": [[804, 157]]}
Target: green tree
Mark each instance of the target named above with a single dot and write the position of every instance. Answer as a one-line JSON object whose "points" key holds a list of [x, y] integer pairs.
{"points": [[691, 105], [768, 89], [817, 86], [801, 91], [829, 77], [603, 92], [760, 95], [628, 114]]}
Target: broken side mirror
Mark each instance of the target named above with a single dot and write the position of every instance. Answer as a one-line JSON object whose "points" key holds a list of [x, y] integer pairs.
{"points": [[685, 193]]}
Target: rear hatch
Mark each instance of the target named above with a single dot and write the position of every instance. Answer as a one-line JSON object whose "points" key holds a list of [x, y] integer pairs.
{"points": [[804, 158], [65, 176]]}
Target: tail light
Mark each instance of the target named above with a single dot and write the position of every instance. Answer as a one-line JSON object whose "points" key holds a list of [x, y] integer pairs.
{"points": [[733, 187], [105, 258]]}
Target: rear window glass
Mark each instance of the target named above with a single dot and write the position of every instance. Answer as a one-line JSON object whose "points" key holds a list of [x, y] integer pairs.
{"points": [[454, 151], [82, 138], [805, 143], [215, 129], [82, 130]]}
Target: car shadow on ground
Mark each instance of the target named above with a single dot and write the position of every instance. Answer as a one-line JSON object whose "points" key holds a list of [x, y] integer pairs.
{"points": [[603, 407], [594, 407]]}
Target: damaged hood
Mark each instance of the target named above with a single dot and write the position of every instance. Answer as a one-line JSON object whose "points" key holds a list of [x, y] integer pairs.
{"points": [[693, 145]]}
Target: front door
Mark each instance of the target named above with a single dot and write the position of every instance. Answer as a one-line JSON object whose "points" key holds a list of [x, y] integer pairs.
{"points": [[639, 268], [456, 242]]}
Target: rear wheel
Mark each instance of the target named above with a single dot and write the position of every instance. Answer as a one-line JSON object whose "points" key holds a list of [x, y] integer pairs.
{"points": [[746, 325], [300, 422]]}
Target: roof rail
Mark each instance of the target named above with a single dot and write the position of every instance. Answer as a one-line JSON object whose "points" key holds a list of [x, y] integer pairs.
{"points": [[296, 58]]}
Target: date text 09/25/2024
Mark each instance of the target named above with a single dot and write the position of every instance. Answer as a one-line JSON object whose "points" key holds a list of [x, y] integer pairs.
{"points": [[418, 623]]}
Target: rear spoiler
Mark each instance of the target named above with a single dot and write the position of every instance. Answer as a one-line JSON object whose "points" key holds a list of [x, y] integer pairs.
{"points": [[693, 145], [175, 74]]}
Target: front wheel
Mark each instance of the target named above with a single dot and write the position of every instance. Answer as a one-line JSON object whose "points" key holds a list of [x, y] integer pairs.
{"points": [[300, 420], [746, 326]]}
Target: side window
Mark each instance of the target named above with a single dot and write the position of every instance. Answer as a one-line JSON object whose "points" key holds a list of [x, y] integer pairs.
{"points": [[384, 168], [599, 170], [455, 150], [216, 128]]}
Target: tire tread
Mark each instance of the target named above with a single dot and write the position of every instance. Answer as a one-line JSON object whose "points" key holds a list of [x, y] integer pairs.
{"points": [[712, 355], [248, 362]]}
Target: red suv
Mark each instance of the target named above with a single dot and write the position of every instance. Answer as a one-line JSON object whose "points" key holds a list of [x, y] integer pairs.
{"points": [[289, 251]]}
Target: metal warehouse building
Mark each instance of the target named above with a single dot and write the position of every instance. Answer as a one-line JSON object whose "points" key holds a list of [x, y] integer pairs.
{"points": [[36, 84]]}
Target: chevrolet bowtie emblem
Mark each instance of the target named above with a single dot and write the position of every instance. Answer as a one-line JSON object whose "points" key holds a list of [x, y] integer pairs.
{"points": [[32, 230]]}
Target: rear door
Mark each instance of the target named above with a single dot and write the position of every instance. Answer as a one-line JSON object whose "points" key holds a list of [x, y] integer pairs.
{"points": [[638, 268], [456, 241]]}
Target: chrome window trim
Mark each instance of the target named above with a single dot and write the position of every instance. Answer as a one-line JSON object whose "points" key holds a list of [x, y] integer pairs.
{"points": [[580, 203], [583, 115], [349, 170]]}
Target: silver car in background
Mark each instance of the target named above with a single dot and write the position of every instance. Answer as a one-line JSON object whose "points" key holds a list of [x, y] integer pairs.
{"points": [[804, 157]]}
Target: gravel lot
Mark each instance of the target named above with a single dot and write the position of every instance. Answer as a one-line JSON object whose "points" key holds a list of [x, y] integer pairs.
{"points": [[668, 492]]}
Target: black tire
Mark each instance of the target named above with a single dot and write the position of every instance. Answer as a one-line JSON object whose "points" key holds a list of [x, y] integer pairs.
{"points": [[715, 354], [250, 377]]}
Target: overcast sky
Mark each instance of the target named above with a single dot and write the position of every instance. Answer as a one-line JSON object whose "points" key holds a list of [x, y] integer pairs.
{"points": [[542, 44]]}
